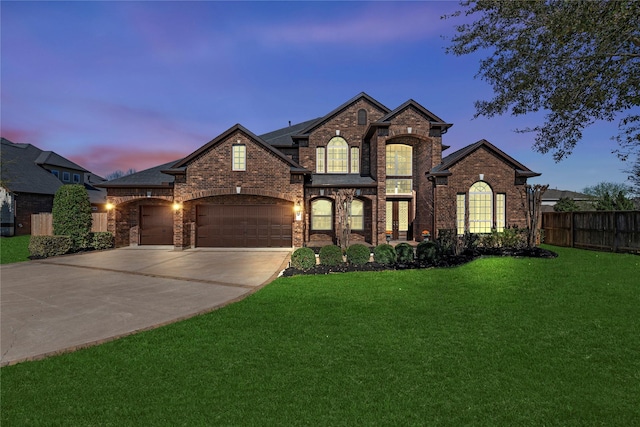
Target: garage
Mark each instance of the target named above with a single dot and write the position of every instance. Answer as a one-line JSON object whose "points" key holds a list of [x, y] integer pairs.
{"points": [[248, 226], [156, 225]]}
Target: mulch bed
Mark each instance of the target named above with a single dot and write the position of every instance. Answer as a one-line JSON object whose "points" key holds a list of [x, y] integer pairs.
{"points": [[445, 261]]}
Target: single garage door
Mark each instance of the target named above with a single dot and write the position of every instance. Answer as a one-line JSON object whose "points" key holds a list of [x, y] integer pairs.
{"points": [[250, 226], [156, 225]]}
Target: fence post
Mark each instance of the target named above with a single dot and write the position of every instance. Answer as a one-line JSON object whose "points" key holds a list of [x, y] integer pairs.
{"points": [[572, 237]]}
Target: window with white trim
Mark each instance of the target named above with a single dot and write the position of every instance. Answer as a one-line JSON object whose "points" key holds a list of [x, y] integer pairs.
{"points": [[66, 176], [460, 211], [56, 173], [356, 215], [321, 215], [337, 155], [76, 178], [239, 157], [501, 211], [480, 208], [399, 164], [320, 160], [355, 160]]}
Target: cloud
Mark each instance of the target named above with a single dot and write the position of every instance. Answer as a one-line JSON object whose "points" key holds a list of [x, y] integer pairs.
{"points": [[379, 23], [104, 159]]}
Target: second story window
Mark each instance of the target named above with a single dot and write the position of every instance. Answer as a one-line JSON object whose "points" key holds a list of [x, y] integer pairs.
{"points": [[320, 160], [66, 176], [355, 160], [56, 173], [76, 178], [337, 155], [362, 117], [239, 157]]}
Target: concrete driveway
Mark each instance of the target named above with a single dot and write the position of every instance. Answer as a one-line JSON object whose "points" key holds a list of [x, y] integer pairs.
{"points": [[65, 303]]}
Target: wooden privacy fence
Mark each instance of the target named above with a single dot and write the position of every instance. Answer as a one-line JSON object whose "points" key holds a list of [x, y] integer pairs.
{"points": [[42, 223], [617, 231]]}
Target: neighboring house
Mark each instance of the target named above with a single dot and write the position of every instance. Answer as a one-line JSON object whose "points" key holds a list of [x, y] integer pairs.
{"points": [[30, 179], [551, 197], [279, 189]]}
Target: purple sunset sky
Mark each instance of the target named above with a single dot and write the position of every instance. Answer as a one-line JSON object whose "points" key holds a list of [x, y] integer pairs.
{"points": [[119, 85]]}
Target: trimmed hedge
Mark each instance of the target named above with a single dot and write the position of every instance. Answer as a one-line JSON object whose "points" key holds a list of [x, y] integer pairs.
{"points": [[427, 252], [358, 254], [384, 254], [46, 246], [331, 255], [102, 240], [72, 214], [303, 259], [404, 253]]}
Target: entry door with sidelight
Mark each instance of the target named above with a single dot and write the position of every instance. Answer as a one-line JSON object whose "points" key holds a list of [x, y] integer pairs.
{"points": [[398, 218]]}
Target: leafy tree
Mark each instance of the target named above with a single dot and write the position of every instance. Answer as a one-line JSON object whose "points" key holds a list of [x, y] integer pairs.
{"points": [[72, 214], [119, 174], [610, 196], [579, 61], [566, 204]]}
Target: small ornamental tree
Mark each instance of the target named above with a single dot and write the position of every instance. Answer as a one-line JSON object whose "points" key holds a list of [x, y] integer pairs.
{"points": [[72, 215]]}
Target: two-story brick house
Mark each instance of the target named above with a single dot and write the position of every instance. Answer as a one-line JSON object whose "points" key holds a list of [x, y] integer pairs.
{"points": [[30, 178], [280, 189]]}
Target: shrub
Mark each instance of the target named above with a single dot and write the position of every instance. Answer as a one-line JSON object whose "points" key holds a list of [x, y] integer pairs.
{"points": [[358, 254], [331, 255], [102, 240], [72, 214], [384, 254], [447, 242], [404, 253], [514, 237], [46, 246], [427, 252], [303, 259]]}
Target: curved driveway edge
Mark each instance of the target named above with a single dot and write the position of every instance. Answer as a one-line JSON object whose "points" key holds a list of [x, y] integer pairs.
{"points": [[65, 303]]}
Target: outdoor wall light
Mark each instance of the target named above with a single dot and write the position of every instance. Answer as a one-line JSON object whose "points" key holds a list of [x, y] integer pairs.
{"points": [[238, 189], [177, 206], [148, 193], [409, 130], [298, 210], [481, 177], [109, 206]]}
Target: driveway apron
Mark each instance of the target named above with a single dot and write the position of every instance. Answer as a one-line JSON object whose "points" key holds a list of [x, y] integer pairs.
{"points": [[61, 304]]}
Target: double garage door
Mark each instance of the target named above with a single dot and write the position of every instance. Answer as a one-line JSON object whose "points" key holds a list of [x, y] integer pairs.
{"points": [[253, 226]]}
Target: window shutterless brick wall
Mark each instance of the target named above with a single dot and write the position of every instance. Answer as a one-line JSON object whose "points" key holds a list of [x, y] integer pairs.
{"points": [[499, 175]]}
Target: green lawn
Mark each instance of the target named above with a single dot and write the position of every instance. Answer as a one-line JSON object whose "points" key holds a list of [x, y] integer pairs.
{"points": [[14, 249], [499, 341]]}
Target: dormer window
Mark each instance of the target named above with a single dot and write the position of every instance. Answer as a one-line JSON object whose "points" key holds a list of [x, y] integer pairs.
{"points": [[239, 157]]}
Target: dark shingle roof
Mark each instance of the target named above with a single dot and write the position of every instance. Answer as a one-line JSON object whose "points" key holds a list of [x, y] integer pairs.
{"points": [[152, 177], [456, 156], [238, 127], [54, 159], [282, 137], [553, 194], [426, 113], [21, 174]]}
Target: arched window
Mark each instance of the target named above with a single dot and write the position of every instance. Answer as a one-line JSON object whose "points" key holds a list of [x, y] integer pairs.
{"points": [[321, 215], [480, 208], [362, 117], [356, 215], [337, 155]]}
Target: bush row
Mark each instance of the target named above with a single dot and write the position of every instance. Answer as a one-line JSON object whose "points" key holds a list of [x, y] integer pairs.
{"points": [[447, 244], [48, 246]]}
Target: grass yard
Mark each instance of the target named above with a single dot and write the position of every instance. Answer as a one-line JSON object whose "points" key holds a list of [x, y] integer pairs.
{"points": [[14, 249], [499, 341]]}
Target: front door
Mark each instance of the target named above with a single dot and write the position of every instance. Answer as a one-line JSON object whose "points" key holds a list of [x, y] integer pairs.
{"points": [[398, 218]]}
